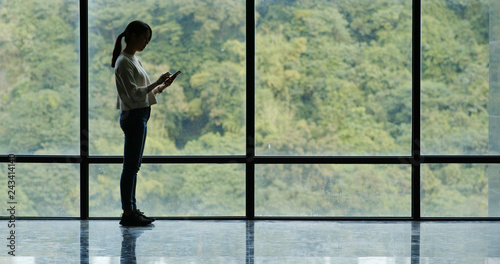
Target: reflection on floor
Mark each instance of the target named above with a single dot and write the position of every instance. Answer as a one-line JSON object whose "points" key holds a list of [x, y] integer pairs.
{"points": [[323, 242]]}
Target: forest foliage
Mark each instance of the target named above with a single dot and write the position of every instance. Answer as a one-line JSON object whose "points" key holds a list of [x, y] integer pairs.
{"points": [[333, 77]]}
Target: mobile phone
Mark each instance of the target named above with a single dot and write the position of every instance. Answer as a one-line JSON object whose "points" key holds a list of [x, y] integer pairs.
{"points": [[172, 77]]}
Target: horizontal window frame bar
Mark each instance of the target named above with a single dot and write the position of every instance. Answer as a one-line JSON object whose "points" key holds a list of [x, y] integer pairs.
{"points": [[224, 159]]}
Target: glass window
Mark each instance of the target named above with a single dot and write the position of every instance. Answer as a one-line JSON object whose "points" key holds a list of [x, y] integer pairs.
{"points": [[172, 190], [460, 190], [332, 190], [43, 190], [39, 77], [203, 112], [494, 78], [333, 77], [455, 77]]}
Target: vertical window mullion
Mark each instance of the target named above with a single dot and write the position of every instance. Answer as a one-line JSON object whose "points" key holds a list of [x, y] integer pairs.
{"points": [[84, 112], [415, 147], [250, 109]]}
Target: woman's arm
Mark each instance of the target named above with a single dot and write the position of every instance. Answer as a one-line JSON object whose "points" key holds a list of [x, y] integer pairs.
{"points": [[126, 84]]}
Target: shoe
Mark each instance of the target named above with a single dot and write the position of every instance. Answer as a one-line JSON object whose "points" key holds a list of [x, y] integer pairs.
{"points": [[144, 216], [134, 219]]}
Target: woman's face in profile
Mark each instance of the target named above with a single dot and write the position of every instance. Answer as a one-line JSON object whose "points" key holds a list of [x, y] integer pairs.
{"points": [[141, 41]]}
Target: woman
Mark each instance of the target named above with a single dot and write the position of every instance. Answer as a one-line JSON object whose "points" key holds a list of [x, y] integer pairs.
{"points": [[136, 94]]}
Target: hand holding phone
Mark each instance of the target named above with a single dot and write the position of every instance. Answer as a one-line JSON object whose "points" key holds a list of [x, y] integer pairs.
{"points": [[168, 82], [171, 79]]}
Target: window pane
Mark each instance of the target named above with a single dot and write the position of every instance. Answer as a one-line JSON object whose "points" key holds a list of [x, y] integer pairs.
{"points": [[454, 81], [333, 77], [44, 190], [39, 77], [460, 190], [333, 190], [203, 112], [172, 190], [494, 78]]}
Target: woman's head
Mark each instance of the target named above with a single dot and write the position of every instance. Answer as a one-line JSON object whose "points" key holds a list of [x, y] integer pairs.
{"points": [[136, 33]]}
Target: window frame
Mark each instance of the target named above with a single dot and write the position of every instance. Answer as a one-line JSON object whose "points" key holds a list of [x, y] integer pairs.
{"points": [[250, 159]]}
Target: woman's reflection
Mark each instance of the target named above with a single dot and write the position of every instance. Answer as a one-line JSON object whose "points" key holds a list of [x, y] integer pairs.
{"points": [[130, 235]]}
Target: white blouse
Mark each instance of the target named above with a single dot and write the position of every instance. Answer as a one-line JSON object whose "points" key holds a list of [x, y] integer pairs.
{"points": [[131, 84]]}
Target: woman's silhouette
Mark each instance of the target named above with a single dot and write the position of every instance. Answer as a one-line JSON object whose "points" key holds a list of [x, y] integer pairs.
{"points": [[136, 94]]}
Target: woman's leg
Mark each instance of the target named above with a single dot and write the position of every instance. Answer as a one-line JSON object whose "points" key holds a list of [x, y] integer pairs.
{"points": [[134, 126], [145, 119]]}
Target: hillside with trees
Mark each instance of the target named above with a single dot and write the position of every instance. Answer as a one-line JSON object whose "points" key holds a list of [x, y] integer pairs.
{"points": [[333, 77]]}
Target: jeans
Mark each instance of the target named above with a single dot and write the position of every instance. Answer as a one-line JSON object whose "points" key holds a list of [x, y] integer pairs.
{"points": [[134, 126]]}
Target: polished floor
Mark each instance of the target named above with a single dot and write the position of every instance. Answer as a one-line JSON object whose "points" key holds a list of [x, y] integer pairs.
{"points": [[105, 242]]}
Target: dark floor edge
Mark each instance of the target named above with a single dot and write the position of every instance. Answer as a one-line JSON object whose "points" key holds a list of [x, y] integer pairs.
{"points": [[230, 218]]}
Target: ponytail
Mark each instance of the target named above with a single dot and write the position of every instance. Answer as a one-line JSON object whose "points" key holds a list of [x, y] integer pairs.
{"points": [[118, 49], [135, 27]]}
